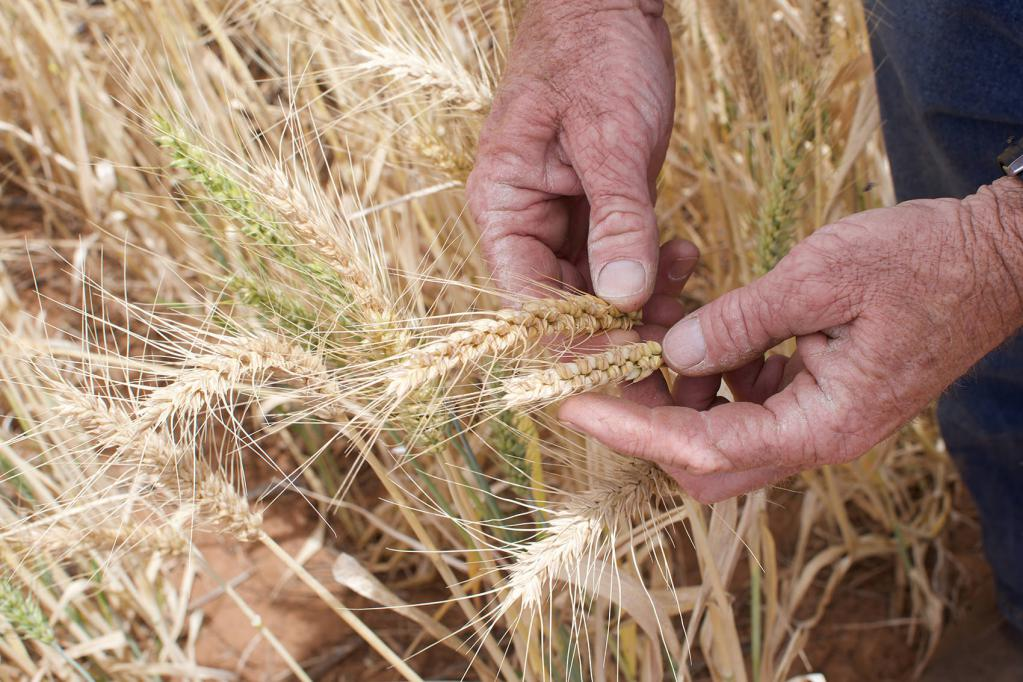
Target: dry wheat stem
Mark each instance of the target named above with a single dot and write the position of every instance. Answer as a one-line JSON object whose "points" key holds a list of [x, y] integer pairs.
{"points": [[631, 362], [505, 331]]}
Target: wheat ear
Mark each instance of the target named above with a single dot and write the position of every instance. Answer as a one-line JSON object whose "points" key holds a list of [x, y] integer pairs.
{"points": [[175, 466], [226, 367], [306, 224], [631, 362], [63, 537], [24, 614], [583, 532], [505, 331]]}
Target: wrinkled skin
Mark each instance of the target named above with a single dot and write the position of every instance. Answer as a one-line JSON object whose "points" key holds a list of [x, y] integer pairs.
{"points": [[888, 307], [563, 182]]}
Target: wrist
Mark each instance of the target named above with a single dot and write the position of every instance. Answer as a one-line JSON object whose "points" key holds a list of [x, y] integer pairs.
{"points": [[993, 220]]}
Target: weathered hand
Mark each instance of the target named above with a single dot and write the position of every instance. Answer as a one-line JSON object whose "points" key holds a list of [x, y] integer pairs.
{"points": [[563, 183], [888, 307]]}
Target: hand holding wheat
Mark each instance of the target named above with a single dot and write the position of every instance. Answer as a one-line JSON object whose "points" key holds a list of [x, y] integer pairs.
{"points": [[563, 183], [888, 307]]}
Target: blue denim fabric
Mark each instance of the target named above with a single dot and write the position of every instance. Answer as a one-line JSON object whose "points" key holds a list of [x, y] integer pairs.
{"points": [[950, 81]]}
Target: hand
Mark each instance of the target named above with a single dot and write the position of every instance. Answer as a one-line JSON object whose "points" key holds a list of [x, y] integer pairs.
{"points": [[563, 187], [888, 307]]}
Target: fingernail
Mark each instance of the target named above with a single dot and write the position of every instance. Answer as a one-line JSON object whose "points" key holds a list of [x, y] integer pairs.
{"points": [[683, 345], [621, 279], [680, 269]]}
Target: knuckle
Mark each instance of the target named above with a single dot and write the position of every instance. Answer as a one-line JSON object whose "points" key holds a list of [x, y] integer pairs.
{"points": [[621, 221], [729, 333]]}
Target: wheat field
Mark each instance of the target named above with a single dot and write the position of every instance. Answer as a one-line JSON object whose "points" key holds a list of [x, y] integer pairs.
{"points": [[248, 339]]}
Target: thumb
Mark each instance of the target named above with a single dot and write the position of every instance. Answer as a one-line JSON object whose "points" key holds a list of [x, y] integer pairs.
{"points": [[622, 248], [744, 323]]}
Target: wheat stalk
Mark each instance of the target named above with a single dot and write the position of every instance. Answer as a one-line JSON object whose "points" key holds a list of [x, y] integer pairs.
{"points": [[506, 331], [631, 362]]}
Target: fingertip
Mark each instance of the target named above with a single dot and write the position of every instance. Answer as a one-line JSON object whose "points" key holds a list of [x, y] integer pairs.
{"points": [[685, 349], [626, 283]]}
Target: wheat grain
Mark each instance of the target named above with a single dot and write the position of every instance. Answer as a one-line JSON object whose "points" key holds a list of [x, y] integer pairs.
{"points": [[507, 330], [631, 362]]}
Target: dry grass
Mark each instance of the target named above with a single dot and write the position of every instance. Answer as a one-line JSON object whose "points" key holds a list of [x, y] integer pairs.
{"points": [[249, 286]]}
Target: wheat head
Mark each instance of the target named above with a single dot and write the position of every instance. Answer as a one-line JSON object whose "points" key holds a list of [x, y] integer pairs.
{"points": [[507, 330], [631, 362]]}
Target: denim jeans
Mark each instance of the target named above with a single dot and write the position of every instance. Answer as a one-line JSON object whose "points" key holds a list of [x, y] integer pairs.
{"points": [[950, 82]]}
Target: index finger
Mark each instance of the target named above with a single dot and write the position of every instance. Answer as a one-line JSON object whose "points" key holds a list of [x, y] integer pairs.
{"points": [[728, 438]]}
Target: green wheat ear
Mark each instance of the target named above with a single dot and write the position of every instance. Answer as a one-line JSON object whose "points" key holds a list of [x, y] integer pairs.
{"points": [[24, 614], [775, 222]]}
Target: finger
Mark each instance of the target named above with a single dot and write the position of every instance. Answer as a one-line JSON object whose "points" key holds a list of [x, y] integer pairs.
{"points": [[696, 393], [678, 259], [793, 367], [717, 487], [663, 311], [727, 438], [612, 154], [791, 300], [515, 193], [758, 380]]}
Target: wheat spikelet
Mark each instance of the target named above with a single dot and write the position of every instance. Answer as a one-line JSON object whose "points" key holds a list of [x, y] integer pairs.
{"points": [[631, 362], [507, 330], [582, 532]]}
